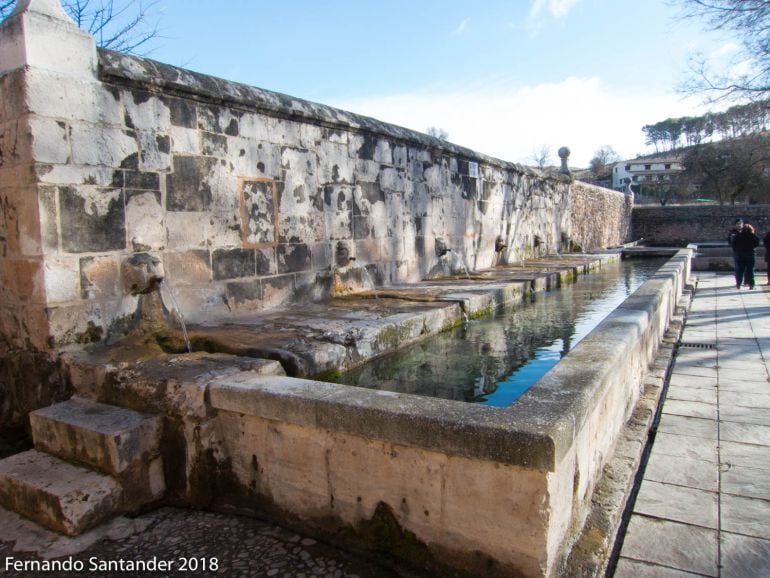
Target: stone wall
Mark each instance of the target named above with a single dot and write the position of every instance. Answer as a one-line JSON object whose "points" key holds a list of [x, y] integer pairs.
{"points": [[683, 224], [599, 217], [241, 194]]}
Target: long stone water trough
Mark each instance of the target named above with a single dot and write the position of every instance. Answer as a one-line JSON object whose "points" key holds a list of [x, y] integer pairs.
{"points": [[432, 482]]}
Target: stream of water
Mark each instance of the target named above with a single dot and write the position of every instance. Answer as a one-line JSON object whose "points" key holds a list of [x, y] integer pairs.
{"points": [[494, 360]]}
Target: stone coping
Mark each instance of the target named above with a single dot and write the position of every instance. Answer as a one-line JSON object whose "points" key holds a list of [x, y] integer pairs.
{"points": [[534, 432], [153, 75]]}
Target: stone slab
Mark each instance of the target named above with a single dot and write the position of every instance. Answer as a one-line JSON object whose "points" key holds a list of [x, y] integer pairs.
{"points": [[671, 544], [745, 433], [690, 409], [744, 556], [688, 426], [747, 516], [748, 455], [682, 471], [108, 438], [746, 482], [56, 494], [692, 447], [628, 568], [705, 394], [678, 503]]}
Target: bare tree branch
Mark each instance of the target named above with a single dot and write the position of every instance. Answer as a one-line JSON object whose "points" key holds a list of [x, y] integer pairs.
{"points": [[120, 25]]}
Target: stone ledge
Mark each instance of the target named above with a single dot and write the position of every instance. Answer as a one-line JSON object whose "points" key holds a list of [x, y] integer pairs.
{"points": [[535, 432], [137, 71]]}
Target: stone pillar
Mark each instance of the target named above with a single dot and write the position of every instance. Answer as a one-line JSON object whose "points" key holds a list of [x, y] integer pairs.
{"points": [[47, 68]]}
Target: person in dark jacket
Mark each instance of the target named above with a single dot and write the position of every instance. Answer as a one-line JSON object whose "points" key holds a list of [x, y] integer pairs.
{"points": [[766, 243], [744, 244]]}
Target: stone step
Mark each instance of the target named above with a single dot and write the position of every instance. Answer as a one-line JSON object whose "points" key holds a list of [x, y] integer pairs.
{"points": [[104, 437], [58, 495], [115, 441]]}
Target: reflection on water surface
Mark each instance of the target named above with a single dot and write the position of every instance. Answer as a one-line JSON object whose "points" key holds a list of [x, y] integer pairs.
{"points": [[494, 360]]}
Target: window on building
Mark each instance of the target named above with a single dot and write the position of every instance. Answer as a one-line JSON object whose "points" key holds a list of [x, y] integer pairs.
{"points": [[668, 166], [647, 167], [628, 167]]}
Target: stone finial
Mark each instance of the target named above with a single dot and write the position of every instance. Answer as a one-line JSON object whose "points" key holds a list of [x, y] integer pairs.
{"points": [[564, 153], [52, 8], [40, 35]]}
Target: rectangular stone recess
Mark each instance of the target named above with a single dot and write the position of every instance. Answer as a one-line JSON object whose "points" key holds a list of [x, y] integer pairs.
{"points": [[259, 212]]}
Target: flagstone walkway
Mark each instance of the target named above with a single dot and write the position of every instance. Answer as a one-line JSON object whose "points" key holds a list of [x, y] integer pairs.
{"points": [[703, 508]]}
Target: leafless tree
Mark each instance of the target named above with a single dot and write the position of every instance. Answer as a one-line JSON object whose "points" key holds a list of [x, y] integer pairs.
{"points": [[601, 161], [542, 156], [122, 25], [748, 73], [439, 133]]}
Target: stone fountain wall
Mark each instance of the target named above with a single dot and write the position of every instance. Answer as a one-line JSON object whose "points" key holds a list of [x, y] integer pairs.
{"points": [[241, 193]]}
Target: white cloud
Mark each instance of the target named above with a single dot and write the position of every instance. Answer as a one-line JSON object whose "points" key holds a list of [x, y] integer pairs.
{"points": [[511, 122], [556, 8], [461, 27]]}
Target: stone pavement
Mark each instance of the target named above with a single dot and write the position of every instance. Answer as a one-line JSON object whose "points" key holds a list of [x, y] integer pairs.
{"points": [[703, 507]]}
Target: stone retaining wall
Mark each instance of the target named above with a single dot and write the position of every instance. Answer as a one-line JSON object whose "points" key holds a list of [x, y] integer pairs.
{"points": [[493, 491], [680, 225]]}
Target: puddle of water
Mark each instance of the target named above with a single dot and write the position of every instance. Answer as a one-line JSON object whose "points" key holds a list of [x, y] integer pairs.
{"points": [[494, 360]]}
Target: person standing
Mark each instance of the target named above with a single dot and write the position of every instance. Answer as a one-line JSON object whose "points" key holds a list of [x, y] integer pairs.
{"points": [[737, 226], [744, 244], [766, 243]]}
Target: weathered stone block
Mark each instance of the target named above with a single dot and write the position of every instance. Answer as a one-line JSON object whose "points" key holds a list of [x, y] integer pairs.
{"points": [[293, 258], [99, 277], [50, 144], [188, 188], [110, 439], [214, 145], [188, 267], [184, 141], [56, 494], [258, 208], [145, 111], [183, 113], [266, 262], [154, 151], [219, 120], [144, 221], [244, 294], [62, 279], [92, 219], [233, 263], [102, 146]]}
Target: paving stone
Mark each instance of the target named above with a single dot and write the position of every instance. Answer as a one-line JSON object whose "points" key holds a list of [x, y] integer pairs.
{"points": [[745, 433], [743, 556], [671, 544], [627, 568], [686, 447], [694, 381], [688, 426], [748, 455], [678, 503], [690, 409], [746, 482], [747, 415], [706, 394], [680, 471], [748, 516], [746, 399]]}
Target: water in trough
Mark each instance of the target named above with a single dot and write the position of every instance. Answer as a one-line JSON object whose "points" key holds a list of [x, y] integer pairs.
{"points": [[495, 359]]}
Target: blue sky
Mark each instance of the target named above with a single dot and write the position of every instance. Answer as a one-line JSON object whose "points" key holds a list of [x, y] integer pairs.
{"points": [[503, 77]]}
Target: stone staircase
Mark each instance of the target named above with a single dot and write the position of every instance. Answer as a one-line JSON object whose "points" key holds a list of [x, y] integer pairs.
{"points": [[91, 462]]}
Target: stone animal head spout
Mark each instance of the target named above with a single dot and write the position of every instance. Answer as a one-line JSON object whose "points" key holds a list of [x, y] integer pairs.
{"points": [[142, 273], [440, 248], [342, 256]]}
